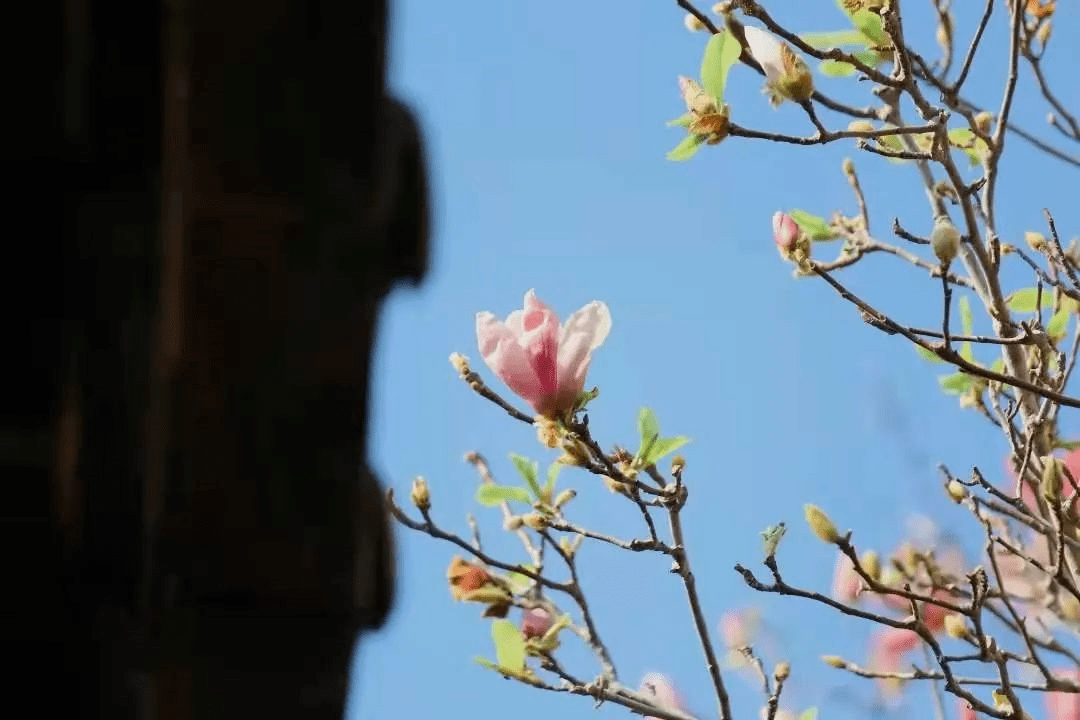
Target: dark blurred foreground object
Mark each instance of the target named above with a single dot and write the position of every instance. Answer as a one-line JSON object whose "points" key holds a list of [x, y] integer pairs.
{"points": [[183, 439]]}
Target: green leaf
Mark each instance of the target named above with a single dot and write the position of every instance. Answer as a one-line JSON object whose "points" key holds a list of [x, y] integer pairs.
{"points": [[662, 447], [648, 428], [815, 227], [1023, 301], [967, 353], [809, 714], [870, 25], [552, 476], [682, 120], [509, 646], [826, 40], [964, 139], [519, 582], [486, 663], [528, 470], [1058, 325], [927, 355], [998, 366], [1067, 444], [491, 495], [584, 398], [956, 384], [835, 68], [686, 149], [961, 137], [967, 322], [721, 52]]}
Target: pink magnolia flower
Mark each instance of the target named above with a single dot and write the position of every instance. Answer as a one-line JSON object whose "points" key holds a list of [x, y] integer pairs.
{"points": [[965, 711], [663, 691], [785, 232], [544, 362], [847, 585], [1064, 705], [1028, 490], [535, 622], [887, 650]]}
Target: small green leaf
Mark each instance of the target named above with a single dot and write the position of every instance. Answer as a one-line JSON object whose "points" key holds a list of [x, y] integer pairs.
{"points": [[528, 470], [491, 495], [815, 227], [1058, 325], [721, 52], [519, 582], [662, 447], [584, 398], [682, 120], [956, 384], [1024, 301], [509, 646], [686, 149], [967, 353], [771, 538], [967, 322], [961, 137], [552, 476], [648, 427], [870, 25], [835, 68], [486, 663], [998, 366], [928, 355], [1067, 444], [809, 714], [826, 40]]}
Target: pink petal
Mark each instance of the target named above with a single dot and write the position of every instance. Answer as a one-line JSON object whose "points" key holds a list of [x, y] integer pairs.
{"points": [[663, 690], [506, 357], [887, 648], [847, 585], [965, 711], [583, 332], [1064, 705]]}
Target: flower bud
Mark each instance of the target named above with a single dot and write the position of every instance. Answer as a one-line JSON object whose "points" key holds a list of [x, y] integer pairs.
{"points": [[692, 23], [945, 239], [1051, 481], [460, 363], [834, 661], [678, 464], [420, 495], [820, 523], [782, 671], [465, 577], [786, 75], [535, 622], [871, 564], [956, 491], [785, 232], [956, 626], [848, 166], [697, 100], [547, 431], [1036, 241], [614, 485], [535, 521], [984, 120], [564, 497], [863, 126], [512, 523], [1043, 33]]}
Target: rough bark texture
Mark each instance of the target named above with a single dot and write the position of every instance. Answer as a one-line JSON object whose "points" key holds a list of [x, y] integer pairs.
{"points": [[183, 437]]}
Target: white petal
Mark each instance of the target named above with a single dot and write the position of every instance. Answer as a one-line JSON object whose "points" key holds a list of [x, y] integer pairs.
{"points": [[766, 49]]}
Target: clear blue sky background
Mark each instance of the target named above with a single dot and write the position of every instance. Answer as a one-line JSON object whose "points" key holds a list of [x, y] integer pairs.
{"points": [[546, 139]]}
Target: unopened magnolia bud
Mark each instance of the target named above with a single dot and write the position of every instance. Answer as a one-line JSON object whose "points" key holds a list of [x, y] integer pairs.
{"points": [[512, 523], [678, 464], [782, 671], [820, 523], [614, 485], [460, 363], [797, 83], [956, 626], [420, 495], [565, 496], [984, 120], [535, 521], [1051, 481], [862, 126], [785, 233], [834, 661], [697, 100], [956, 490], [890, 576], [945, 239], [1043, 33], [692, 23], [848, 166], [722, 8], [1001, 701], [871, 564], [1035, 240]]}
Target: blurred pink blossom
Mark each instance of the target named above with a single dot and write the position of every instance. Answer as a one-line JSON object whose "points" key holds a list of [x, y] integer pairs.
{"points": [[543, 362], [965, 711], [887, 650], [1064, 705], [785, 232], [535, 622], [663, 690], [847, 585]]}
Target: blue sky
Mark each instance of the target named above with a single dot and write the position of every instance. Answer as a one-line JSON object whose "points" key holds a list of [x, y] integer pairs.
{"points": [[545, 133]]}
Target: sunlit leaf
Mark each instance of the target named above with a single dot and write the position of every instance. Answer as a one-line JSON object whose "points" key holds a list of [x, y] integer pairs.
{"points": [[928, 355], [682, 120], [686, 149], [998, 366], [721, 52], [486, 663], [816, 228], [967, 322], [662, 447], [648, 430], [509, 645], [1058, 325], [491, 495], [837, 38], [870, 25], [1024, 301], [809, 714], [1067, 444], [956, 384], [835, 68], [527, 469], [552, 476]]}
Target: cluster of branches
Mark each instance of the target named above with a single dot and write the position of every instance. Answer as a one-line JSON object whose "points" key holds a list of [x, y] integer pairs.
{"points": [[1007, 610]]}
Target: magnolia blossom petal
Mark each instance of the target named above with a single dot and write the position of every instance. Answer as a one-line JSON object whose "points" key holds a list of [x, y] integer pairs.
{"points": [[584, 331], [506, 357], [887, 648], [766, 49], [847, 585], [663, 690], [1064, 705], [964, 710]]}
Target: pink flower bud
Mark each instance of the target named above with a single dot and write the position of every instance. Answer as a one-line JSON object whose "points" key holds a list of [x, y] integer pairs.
{"points": [[663, 692], [543, 362], [887, 649], [535, 622], [847, 585], [964, 711], [785, 232]]}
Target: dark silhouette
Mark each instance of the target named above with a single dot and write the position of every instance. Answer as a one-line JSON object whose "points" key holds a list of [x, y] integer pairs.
{"points": [[184, 433]]}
